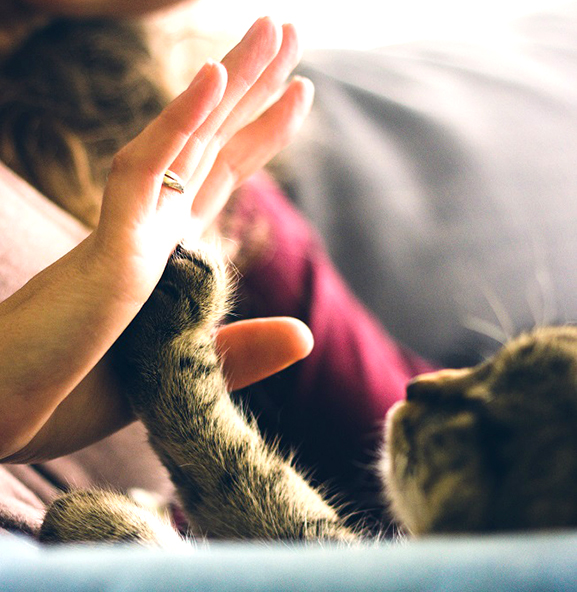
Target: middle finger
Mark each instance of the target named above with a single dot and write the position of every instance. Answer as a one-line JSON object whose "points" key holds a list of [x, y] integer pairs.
{"points": [[245, 63]]}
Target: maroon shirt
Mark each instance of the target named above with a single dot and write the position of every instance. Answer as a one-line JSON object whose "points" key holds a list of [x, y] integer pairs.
{"points": [[331, 406]]}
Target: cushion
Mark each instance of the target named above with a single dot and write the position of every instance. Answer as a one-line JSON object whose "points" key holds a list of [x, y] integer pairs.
{"points": [[442, 177]]}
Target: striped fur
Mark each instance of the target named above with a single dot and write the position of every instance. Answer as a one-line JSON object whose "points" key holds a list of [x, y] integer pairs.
{"points": [[231, 484], [489, 448], [478, 450]]}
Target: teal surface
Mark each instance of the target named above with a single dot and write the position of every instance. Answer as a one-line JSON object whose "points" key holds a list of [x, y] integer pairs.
{"points": [[524, 562]]}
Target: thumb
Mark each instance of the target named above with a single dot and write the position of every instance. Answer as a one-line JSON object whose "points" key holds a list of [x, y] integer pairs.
{"points": [[256, 348]]}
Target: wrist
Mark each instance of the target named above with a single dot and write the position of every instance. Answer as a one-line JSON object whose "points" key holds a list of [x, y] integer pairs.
{"points": [[126, 268]]}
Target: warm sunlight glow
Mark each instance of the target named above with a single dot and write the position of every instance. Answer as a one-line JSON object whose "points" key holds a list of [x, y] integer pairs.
{"points": [[368, 23]]}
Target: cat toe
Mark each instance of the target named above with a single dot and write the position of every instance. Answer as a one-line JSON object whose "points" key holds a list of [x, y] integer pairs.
{"points": [[198, 281]]}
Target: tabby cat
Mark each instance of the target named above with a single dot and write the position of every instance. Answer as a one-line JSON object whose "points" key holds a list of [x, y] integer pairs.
{"points": [[483, 449], [492, 447]]}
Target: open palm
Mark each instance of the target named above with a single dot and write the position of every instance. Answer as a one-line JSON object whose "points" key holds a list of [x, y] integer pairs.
{"points": [[213, 136], [57, 392]]}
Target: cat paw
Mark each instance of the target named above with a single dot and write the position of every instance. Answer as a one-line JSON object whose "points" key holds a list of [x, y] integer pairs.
{"points": [[194, 288], [103, 516], [174, 327], [192, 295]]}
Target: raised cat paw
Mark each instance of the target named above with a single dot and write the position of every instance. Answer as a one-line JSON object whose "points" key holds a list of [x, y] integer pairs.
{"points": [[192, 294], [189, 300], [193, 290]]}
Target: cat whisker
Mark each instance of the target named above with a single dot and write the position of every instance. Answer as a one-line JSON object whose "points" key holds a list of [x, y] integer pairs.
{"points": [[501, 332], [486, 328], [501, 314], [542, 297]]}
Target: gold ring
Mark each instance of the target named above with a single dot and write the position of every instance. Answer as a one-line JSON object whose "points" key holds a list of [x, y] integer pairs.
{"points": [[173, 181]]}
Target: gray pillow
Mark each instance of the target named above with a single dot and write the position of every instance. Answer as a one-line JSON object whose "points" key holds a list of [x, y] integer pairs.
{"points": [[443, 177]]}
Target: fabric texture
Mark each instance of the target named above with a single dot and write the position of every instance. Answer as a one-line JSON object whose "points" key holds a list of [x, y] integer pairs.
{"points": [[442, 177]]}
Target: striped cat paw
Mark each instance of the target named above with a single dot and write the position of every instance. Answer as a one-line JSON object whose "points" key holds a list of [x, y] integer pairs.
{"points": [[176, 323], [92, 516], [192, 295], [194, 288]]}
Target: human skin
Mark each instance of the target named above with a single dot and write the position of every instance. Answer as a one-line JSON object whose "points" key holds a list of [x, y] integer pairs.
{"points": [[58, 392]]}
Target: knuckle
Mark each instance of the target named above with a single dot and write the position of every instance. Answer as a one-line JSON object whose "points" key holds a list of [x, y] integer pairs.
{"points": [[232, 172], [122, 161]]}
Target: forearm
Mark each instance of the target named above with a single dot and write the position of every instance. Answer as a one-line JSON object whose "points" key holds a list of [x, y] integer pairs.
{"points": [[233, 485], [54, 331], [95, 409]]}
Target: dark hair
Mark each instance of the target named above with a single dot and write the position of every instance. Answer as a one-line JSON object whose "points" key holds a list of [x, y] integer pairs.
{"points": [[71, 96]]}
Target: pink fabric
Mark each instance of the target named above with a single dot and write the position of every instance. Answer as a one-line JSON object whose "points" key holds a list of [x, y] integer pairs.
{"points": [[355, 371], [331, 406]]}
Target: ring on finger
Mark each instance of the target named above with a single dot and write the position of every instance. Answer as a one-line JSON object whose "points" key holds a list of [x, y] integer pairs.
{"points": [[173, 181]]}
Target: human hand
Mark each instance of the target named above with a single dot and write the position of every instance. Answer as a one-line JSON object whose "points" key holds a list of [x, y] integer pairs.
{"points": [[213, 137], [251, 350], [57, 329]]}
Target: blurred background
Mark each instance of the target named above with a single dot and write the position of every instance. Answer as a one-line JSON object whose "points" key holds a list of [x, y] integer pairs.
{"points": [[367, 23]]}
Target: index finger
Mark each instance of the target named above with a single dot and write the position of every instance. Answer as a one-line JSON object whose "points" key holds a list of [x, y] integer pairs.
{"points": [[138, 168], [244, 65]]}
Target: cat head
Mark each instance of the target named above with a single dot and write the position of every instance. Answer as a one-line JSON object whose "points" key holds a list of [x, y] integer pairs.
{"points": [[492, 447]]}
